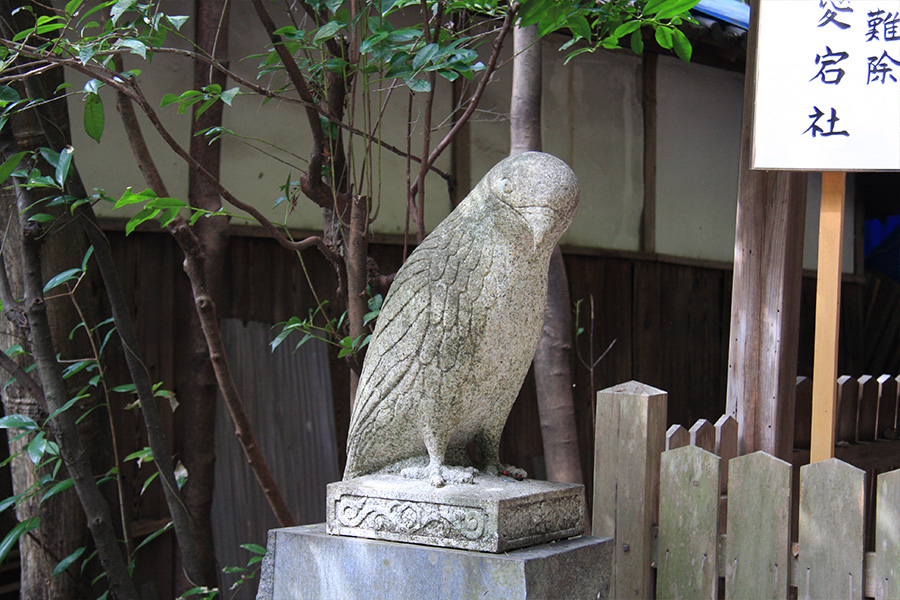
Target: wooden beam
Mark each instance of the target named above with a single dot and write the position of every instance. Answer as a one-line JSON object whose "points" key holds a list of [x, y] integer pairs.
{"points": [[648, 219], [828, 311], [765, 302]]}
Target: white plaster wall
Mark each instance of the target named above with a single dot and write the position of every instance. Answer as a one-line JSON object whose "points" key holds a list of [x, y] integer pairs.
{"points": [[251, 169], [698, 153], [592, 119]]}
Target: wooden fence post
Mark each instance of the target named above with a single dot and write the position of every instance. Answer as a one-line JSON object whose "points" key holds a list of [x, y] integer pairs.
{"points": [[630, 433]]}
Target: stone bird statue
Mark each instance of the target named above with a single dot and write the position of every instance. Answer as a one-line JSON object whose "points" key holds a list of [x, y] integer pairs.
{"points": [[460, 326]]}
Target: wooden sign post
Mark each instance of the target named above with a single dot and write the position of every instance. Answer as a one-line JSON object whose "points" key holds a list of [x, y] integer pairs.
{"points": [[827, 99]]}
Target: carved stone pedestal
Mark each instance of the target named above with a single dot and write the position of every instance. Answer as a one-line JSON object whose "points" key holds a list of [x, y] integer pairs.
{"points": [[307, 563], [495, 514]]}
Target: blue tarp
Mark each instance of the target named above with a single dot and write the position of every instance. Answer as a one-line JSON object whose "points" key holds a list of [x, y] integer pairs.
{"points": [[729, 11]]}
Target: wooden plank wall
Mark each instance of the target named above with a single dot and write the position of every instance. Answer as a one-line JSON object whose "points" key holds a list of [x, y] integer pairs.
{"points": [[670, 320]]}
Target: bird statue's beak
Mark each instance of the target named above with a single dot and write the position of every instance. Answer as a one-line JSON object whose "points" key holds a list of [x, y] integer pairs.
{"points": [[544, 222]]}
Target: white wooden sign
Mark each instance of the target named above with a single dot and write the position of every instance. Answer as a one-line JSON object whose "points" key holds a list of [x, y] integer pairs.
{"points": [[828, 86]]}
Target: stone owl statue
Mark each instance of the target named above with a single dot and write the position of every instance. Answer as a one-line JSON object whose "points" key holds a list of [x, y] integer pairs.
{"points": [[460, 326]]}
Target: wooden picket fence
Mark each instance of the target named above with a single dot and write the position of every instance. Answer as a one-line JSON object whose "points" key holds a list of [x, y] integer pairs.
{"points": [[690, 519]]}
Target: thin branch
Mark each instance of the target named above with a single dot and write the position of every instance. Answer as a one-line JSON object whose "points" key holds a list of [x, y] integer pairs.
{"points": [[13, 368], [206, 310], [476, 97]]}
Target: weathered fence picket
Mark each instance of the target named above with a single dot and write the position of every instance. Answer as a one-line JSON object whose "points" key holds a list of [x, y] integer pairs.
{"points": [[688, 524], [887, 538], [759, 519], [830, 563]]}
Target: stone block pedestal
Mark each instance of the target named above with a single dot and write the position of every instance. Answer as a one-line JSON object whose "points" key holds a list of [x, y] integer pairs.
{"points": [[495, 514], [305, 562]]}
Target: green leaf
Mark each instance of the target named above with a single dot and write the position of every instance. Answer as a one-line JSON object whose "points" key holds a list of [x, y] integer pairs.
{"points": [[36, 447], [177, 21], [145, 454], [10, 164], [255, 548], [57, 488], [67, 562], [129, 197], [66, 406], [327, 31], [62, 166], [166, 203], [676, 7], [387, 5], [682, 45], [61, 278], [664, 37], [148, 481], [94, 119], [137, 47], [87, 257], [12, 500], [145, 214], [235, 569], [18, 422], [128, 388], [418, 85], [626, 28], [424, 55], [153, 536], [637, 42], [12, 538], [333, 5], [120, 7], [229, 94], [654, 6], [168, 99], [41, 218], [8, 94], [579, 26], [72, 6]]}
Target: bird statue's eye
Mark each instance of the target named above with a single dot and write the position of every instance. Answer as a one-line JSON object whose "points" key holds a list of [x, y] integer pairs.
{"points": [[506, 185]]}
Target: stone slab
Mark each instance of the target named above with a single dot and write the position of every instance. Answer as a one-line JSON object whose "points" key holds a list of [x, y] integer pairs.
{"points": [[495, 514], [307, 563]]}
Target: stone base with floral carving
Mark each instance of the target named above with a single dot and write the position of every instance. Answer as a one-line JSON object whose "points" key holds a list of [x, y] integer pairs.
{"points": [[495, 514]]}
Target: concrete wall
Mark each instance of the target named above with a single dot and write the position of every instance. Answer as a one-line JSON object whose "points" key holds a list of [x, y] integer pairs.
{"points": [[592, 119]]}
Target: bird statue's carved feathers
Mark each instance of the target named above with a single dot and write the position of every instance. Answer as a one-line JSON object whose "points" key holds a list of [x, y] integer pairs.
{"points": [[460, 326]]}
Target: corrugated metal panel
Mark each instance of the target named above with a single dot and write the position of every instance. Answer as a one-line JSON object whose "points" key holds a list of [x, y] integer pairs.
{"points": [[729, 11], [288, 399]]}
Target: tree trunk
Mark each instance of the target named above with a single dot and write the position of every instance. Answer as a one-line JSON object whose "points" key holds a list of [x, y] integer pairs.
{"points": [[196, 381], [552, 362], [63, 527], [63, 428]]}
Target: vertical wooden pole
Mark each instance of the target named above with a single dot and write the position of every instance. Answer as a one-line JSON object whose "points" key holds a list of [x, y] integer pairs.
{"points": [[648, 219], [828, 310], [765, 300]]}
